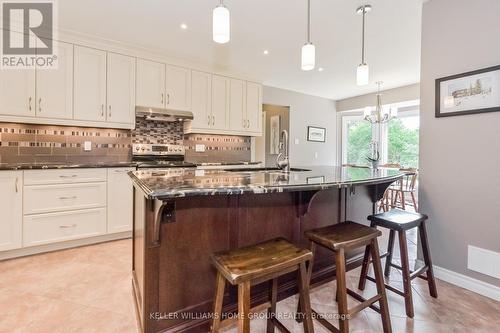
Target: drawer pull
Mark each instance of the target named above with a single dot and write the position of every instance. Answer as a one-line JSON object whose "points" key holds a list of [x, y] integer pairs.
{"points": [[67, 198], [72, 176], [66, 226]]}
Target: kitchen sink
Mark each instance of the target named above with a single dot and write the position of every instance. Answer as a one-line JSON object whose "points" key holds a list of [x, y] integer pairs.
{"points": [[266, 170]]}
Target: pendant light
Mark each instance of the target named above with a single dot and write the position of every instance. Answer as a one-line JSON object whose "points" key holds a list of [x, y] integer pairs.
{"points": [[221, 24], [363, 71], [308, 50]]}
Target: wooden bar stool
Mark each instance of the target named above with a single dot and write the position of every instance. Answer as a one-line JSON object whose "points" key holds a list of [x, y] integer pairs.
{"points": [[255, 264], [400, 221], [340, 238]]}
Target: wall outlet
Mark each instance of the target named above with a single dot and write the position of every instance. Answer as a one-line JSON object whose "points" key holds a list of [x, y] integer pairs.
{"points": [[296, 141], [199, 148], [87, 146], [316, 155]]}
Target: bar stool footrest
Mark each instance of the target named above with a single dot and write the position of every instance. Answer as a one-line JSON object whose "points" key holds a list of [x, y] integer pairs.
{"points": [[361, 299], [388, 287]]}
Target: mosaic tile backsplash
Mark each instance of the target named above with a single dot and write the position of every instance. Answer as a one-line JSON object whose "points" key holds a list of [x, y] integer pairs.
{"points": [[26, 143]]}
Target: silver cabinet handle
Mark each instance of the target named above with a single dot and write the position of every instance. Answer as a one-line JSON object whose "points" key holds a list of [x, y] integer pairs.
{"points": [[16, 185], [40, 104], [248, 121], [64, 226], [213, 120], [161, 99], [168, 99], [68, 198], [29, 103], [109, 110], [102, 110], [208, 117], [64, 176]]}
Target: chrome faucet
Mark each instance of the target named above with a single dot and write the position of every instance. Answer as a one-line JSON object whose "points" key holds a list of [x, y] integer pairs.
{"points": [[283, 160]]}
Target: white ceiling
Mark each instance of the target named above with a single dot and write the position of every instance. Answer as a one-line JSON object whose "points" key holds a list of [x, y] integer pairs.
{"points": [[393, 37]]}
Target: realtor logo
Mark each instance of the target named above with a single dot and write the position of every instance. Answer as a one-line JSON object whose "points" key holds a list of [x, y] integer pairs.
{"points": [[27, 34]]}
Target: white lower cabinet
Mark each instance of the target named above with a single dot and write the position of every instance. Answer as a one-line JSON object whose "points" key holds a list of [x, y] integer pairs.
{"points": [[50, 206], [120, 200], [53, 198], [11, 208], [62, 226]]}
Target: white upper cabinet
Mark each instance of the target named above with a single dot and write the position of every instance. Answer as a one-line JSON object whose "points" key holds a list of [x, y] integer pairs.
{"points": [[220, 102], [254, 108], [11, 206], [89, 84], [17, 92], [237, 105], [120, 89], [54, 87], [150, 83], [201, 99], [178, 88]]}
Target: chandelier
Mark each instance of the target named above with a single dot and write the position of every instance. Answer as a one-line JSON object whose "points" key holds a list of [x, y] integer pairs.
{"points": [[381, 115]]}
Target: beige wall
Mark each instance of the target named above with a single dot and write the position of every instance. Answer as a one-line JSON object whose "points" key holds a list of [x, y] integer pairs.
{"points": [[389, 96], [459, 156], [307, 110]]}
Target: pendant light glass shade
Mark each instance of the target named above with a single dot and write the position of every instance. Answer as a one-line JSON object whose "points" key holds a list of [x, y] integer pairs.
{"points": [[221, 24], [362, 75], [308, 57]]}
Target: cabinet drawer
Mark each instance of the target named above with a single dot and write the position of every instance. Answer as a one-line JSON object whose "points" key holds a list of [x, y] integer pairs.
{"points": [[56, 227], [52, 198], [64, 176]]}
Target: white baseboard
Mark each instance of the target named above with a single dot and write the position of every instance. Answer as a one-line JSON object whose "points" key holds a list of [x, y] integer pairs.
{"points": [[27, 251], [466, 282]]}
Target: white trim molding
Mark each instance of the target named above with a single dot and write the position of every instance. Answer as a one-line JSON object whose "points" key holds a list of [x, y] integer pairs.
{"points": [[466, 282]]}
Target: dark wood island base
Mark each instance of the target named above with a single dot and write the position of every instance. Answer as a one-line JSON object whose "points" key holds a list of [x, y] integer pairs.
{"points": [[173, 238]]}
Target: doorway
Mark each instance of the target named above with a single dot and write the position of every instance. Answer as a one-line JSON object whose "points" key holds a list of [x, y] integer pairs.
{"points": [[275, 114]]}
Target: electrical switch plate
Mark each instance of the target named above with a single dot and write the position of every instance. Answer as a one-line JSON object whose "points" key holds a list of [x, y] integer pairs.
{"points": [[199, 148], [87, 146], [296, 141]]}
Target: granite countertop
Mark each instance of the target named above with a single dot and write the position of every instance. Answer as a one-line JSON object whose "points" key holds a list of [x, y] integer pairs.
{"points": [[62, 165], [69, 165], [179, 182]]}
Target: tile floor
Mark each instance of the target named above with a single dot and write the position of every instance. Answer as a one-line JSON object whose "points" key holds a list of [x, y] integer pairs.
{"points": [[88, 289]]}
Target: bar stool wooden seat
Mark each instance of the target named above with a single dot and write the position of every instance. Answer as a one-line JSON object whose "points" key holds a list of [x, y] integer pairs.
{"points": [[340, 238], [400, 221], [255, 264]]}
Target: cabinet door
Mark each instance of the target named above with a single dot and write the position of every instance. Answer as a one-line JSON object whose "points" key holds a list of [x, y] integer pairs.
{"points": [[17, 92], [220, 101], [11, 198], [150, 83], [201, 99], [89, 84], [178, 88], [254, 107], [17, 88], [120, 201], [237, 105], [54, 87], [121, 89]]}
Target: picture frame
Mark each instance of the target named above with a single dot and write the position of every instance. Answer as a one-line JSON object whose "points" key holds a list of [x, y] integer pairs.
{"points": [[316, 134], [468, 93]]}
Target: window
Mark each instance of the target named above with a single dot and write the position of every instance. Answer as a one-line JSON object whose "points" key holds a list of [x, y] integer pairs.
{"points": [[402, 141], [357, 135], [399, 142]]}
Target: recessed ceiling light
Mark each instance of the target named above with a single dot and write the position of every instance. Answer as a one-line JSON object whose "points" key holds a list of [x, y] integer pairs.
{"points": [[266, 52], [320, 69], [184, 26]]}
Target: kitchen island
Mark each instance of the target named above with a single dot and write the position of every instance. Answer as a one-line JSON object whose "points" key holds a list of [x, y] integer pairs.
{"points": [[181, 216]]}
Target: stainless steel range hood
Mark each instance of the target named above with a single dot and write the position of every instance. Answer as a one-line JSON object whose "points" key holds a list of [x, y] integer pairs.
{"points": [[159, 114]]}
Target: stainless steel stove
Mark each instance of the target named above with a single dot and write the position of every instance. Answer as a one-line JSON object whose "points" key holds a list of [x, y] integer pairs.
{"points": [[159, 156]]}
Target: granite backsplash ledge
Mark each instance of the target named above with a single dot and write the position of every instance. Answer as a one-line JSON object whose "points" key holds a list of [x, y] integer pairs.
{"points": [[27, 143]]}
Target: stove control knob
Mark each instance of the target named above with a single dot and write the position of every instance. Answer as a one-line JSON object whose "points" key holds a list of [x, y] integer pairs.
{"points": [[137, 148]]}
